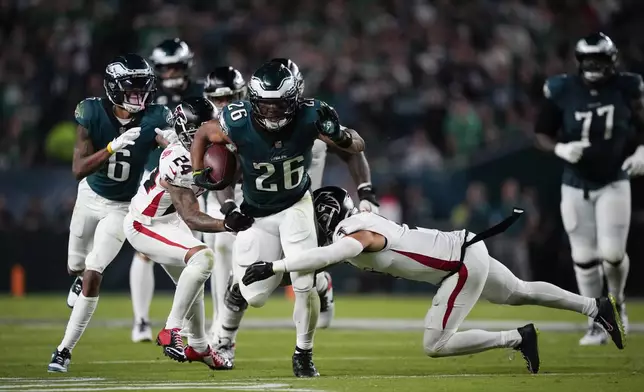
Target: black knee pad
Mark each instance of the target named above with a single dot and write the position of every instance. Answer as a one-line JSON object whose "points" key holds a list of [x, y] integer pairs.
{"points": [[233, 299], [589, 265]]}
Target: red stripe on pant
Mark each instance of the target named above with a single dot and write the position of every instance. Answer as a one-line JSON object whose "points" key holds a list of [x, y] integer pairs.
{"points": [[138, 226], [462, 278], [442, 265]]}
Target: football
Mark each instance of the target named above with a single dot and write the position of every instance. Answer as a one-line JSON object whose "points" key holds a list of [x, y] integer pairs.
{"points": [[223, 163]]}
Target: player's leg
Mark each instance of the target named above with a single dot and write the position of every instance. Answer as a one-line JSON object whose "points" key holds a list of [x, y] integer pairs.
{"points": [[503, 287], [613, 210], [454, 299], [108, 240], [324, 287], [298, 233], [171, 243], [82, 226], [141, 292], [578, 216]]}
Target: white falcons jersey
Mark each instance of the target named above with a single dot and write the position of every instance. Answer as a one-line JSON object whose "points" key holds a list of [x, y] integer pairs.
{"points": [[420, 254], [152, 200]]}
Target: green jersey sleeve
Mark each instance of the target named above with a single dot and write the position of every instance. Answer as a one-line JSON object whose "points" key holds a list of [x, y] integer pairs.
{"points": [[233, 118], [84, 111], [553, 88], [632, 85]]}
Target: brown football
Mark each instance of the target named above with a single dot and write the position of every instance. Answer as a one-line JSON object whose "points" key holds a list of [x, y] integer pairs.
{"points": [[223, 163]]}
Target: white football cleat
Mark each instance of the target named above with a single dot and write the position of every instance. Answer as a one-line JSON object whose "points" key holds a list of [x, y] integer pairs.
{"points": [[141, 332], [595, 336], [327, 306], [74, 292]]}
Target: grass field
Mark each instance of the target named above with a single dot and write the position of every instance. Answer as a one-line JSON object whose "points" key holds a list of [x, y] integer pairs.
{"points": [[348, 359]]}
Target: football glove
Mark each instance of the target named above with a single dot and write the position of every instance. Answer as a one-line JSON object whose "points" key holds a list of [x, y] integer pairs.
{"points": [[168, 134], [572, 151], [328, 124], [234, 220], [127, 138], [368, 200], [634, 165], [259, 270]]}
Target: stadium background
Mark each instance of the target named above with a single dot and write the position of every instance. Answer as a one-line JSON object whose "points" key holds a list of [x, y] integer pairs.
{"points": [[444, 93]]}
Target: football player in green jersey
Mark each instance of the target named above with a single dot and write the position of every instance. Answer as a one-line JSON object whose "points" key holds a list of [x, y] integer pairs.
{"points": [[587, 120], [172, 60], [114, 138], [273, 133], [360, 172]]}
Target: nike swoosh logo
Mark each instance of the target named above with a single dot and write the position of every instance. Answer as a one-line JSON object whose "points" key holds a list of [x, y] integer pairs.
{"points": [[174, 173], [607, 325]]}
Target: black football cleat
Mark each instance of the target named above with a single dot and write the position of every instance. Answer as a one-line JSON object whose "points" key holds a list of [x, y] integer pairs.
{"points": [[529, 347], [609, 318], [303, 365], [60, 361]]}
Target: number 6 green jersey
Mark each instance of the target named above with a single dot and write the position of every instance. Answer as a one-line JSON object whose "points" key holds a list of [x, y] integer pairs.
{"points": [[274, 164], [118, 179]]}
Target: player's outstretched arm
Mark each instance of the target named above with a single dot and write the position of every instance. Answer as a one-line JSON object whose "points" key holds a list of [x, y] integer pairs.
{"points": [[86, 161], [317, 258], [361, 174], [185, 201], [347, 140]]}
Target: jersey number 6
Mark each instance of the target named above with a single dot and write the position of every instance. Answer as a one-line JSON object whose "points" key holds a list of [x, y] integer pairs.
{"points": [[293, 174], [606, 111], [118, 170]]}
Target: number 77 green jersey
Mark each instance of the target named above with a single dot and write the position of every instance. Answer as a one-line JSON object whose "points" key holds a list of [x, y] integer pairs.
{"points": [[118, 179], [274, 164]]}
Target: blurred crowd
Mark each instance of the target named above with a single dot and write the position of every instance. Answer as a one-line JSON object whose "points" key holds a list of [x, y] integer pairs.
{"points": [[426, 82]]}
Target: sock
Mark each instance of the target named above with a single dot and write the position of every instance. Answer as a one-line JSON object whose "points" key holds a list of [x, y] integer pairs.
{"points": [[190, 282], [467, 342], [78, 320], [589, 280], [302, 351], [229, 323], [196, 323], [321, 282], [141, 287], [305, 315], [551, 296], [221, 274], [616, 275]]}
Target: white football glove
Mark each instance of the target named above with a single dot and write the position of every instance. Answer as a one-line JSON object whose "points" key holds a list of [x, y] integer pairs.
{"points": [[572, 151], [634, 165], [367, 206], [127, 138], [168, 134]]}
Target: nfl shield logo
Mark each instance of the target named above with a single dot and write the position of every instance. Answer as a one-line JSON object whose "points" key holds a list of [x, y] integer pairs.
{"points": [[278, 144]]}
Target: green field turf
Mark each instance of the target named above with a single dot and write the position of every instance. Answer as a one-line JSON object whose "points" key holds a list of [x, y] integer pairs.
{"points": [[349, 360]]}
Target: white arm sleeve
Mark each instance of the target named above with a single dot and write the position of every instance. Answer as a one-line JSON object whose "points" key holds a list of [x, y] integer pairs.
{"points": [[318, 258]]}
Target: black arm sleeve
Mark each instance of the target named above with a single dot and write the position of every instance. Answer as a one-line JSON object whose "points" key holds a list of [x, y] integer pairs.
{"points": [[549, 119]]}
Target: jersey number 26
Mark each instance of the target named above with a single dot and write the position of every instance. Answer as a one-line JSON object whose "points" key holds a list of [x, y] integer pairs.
{"points": [[293, 173]]}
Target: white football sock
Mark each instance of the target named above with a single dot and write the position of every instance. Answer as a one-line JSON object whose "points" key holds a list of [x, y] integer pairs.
{"points": [[196, 324], [321, 282], [78, 320], [221, 274], [305, 315], [190, 282], [141, 286], [438, 343], [590, 281], [616, 275], [551, 296], [229, 323]]}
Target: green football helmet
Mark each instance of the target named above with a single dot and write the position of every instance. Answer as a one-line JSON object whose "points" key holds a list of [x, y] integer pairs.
{"points": [[273, 95]]}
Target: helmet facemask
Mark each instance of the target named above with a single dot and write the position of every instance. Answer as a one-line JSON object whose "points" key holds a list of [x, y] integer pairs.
{"points": [[185, 131], [130, 89], [223, 96], [173, 76], [274, 113]]}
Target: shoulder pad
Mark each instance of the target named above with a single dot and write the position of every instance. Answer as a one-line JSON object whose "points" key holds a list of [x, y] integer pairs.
{"points": [[310, 103], [554, 86], [159, 116], [85, 111], [233, 116], [171, 164], [631, 84]]}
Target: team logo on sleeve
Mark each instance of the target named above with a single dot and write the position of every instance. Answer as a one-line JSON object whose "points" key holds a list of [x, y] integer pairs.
{"points": [[79, 111], [169, 117], [223, 125]]}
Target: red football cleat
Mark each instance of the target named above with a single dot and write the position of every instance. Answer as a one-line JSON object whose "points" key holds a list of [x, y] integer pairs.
{"points": [[212, 359], [172, 344]]}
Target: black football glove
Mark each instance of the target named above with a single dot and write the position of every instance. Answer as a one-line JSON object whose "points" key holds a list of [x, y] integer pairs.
{"points": [[368, 199], [234, 220], [201, 178], [257, 271], [328, 124]]}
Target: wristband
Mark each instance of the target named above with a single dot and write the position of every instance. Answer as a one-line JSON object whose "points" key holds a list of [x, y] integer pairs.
{"points": [[109, 148]]}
